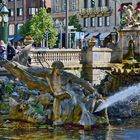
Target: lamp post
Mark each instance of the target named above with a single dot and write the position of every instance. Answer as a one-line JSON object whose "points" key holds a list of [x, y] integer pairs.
{"points": [[115, 13], [67, 19], [115, 16], [4, 22]]}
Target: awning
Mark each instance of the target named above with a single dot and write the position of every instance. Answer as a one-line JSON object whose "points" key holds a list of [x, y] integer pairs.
{"points": [[10, 38], [92, 35], [86, 34], [17, 39], [104, 35]]}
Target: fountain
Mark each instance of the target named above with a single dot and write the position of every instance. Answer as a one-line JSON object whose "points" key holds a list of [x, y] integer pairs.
{"points": [[63, 98], [126, 71], [58, 98], [122, 81], [122, 96]]}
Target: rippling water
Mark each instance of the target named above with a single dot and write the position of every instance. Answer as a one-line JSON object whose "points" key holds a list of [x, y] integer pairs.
{"points": [[117, 133]]}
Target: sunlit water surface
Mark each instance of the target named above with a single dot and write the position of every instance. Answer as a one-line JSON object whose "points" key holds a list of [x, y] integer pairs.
{"points": [[114, 133]]}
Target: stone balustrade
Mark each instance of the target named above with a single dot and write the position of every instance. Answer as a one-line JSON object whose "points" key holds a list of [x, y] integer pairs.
{"points": [[96, 11], [70, 57], [93, 61]]}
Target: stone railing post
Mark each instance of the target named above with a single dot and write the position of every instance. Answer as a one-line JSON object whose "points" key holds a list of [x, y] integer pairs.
{"points": [[87, 72], [96, 62]]}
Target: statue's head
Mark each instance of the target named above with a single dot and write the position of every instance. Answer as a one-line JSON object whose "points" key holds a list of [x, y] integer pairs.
{"points": [[57, 65]]}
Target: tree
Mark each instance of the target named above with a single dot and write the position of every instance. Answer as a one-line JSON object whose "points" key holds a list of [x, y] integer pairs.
{"points": [[74, 21], [38, 26], [25, 29], [41, 24]]}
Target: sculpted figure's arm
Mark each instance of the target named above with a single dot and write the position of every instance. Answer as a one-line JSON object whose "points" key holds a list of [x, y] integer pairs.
{"points": [[36, 71], [82, 82], [21, 72]]}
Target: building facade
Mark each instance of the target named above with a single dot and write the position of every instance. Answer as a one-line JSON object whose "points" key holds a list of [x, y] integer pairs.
{"points": [[21, 10], [58, 9], [102, 15], [99, 18]]}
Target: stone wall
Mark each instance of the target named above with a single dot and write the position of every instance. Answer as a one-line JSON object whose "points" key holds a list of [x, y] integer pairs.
{"points": [[97, 62], [89, 64]]}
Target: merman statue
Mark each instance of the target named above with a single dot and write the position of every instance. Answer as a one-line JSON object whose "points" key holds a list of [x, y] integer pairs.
{"points": [[74, 98]]}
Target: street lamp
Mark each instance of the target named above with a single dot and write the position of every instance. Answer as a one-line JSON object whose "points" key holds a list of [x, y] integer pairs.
{"points": [[116, 1], [3, 22]]}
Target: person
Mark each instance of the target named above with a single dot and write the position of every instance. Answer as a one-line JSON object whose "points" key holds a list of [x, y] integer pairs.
{"points": [[18, 48], [2, 48], [10, 51]]}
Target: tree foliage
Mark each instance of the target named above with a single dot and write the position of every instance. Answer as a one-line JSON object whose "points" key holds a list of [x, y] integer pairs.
{"points": [[25, 29], [40, 24], [74, 21]]}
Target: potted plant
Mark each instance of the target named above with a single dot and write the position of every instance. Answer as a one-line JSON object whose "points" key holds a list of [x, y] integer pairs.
{"points": [[28, 40]]}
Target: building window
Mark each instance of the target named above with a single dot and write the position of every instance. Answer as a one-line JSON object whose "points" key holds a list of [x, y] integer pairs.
{"points": [[19, 11], [106, 2], [85, 22], [18, 27], [56, 6], [100, 21], [99, 3], [64, 5], [107, 21], [73, 4], [11, 29], [33, 11], [92, 3], [11, 12], [92, 22], [85, 3]]}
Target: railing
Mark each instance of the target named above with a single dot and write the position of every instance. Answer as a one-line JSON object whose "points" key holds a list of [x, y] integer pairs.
{"points": [[95, 11], [70, 57]]}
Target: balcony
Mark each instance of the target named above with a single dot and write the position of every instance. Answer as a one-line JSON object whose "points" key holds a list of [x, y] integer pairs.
{"points": [[96, 11]]}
